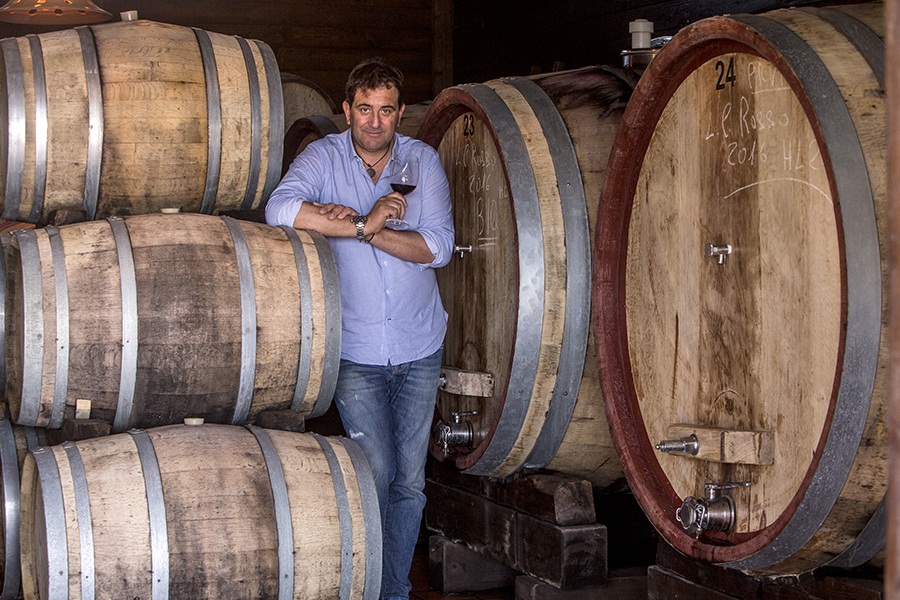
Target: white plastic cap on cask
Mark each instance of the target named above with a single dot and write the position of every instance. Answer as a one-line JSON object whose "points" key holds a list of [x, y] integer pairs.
{"points": [[129, 15], [641, 30]]}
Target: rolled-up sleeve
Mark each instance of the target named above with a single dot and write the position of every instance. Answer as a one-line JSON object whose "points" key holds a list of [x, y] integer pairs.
{"points": [[299, 185], [436, 224]]}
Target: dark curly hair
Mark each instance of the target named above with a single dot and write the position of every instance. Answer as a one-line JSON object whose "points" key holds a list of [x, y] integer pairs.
{"points": [[372, 74]]}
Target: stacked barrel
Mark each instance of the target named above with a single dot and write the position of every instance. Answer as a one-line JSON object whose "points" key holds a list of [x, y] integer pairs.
{"points": [[173, 329], [733, 289]]}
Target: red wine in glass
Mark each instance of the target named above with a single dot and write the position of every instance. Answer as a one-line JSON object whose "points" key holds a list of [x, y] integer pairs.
{"points": [[404, 179], [402, 188]]}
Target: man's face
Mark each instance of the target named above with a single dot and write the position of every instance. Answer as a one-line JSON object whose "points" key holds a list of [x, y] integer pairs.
{"points": [[373, 118]]}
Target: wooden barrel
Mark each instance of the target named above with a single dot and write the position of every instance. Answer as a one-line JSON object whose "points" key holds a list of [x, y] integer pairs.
{"points": [[209, 511], [740, 260], [313, 126], [525, 158], [15, 442], [154, 318], [303, 97], [129, 117]]}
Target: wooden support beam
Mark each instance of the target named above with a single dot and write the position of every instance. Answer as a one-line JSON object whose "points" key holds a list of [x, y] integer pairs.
{"points": [[630, 584], [552, 497], [453, 568], [568, 557]]}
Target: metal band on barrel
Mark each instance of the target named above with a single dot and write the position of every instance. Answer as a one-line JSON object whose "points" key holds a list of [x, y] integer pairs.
{"points": [[276, 119], [306, 324], [530, 310], [33, 318], [85, 524], [3, 244], [9, 465], [332, 358], [371, 518], [40, 128], [56, 541], [577, 323], [128, 373], [255, 124], [344, 521], [863, 291], [866, 41], [213, 121], [31, 438], [95, 121], [248, 321], [156, 509], [15, 143], [61, 383], [870, 540], [282, 513]]}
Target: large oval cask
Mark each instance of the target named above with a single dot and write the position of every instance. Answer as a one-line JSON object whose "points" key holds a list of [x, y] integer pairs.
{"points": [[740, 261], [525, 158], [127, 118], [154, 318], [209, 511]]}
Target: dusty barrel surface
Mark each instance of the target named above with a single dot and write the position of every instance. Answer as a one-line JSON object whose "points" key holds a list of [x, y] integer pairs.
{"points": [[209, 511], [15, 442], [88, 122], [739, 266], [302, 97], [525, 158], [154, 318], [313, 126]]}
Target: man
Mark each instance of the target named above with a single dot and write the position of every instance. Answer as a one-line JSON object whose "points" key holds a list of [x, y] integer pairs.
{"points": [[393, 319]]}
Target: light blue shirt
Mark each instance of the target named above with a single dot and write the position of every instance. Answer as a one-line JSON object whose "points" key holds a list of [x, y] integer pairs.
{"points": [[392, 311]]}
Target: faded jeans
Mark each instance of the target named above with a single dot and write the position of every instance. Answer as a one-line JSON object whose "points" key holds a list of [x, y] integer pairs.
{"points": [[388, 411]]}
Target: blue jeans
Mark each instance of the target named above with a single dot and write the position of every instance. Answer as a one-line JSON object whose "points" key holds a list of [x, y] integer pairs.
{"points": [[388, 411]]}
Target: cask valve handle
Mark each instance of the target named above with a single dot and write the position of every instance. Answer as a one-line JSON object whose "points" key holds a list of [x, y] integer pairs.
{"points": [[457, 433], [462, 250], [714, 513], [719, 252]]}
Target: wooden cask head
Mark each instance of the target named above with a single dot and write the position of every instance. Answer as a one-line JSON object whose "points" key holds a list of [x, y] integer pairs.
{"points": [[737, 282]]}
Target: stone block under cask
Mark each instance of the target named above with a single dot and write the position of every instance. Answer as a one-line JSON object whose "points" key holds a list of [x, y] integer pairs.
{"points": [[154, 318], [740, 258], [128, 117], [526, 159], [201, 512]]}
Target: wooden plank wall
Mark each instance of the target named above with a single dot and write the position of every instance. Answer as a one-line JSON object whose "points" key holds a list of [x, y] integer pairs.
{"points": [[319, 40]]}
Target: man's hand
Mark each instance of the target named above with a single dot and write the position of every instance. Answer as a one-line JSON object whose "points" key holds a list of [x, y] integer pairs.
{"points": [[334, 211], [392, 206]]}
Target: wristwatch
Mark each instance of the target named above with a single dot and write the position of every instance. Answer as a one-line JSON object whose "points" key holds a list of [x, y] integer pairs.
{"points": [[360, 222]]}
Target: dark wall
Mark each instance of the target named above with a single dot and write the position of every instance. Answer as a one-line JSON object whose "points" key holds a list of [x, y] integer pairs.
{"points": [[436, 43], [519, 37], [318, 40]]}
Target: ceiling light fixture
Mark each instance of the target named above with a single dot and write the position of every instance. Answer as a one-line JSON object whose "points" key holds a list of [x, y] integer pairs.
{"points": [[53, 12]]}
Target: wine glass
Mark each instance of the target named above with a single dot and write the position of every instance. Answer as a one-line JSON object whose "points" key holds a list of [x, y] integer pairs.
{"points": [[404, 179]]}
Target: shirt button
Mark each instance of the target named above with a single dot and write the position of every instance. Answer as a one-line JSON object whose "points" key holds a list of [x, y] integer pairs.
{"points": [[385, 263], [388, 292]]}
